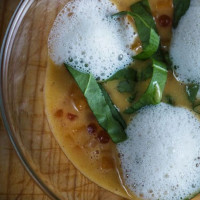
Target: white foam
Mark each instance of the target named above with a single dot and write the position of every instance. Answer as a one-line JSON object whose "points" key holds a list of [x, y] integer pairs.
{"points": [[85, 36], [185, 46], [162, 154]]}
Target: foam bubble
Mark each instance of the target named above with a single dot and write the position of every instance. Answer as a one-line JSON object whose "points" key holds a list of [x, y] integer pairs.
{"points": [[161, 158], [85, 36], [185, 46]]}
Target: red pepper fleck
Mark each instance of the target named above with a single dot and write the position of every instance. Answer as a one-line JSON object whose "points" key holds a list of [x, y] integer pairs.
{"points": [[59, 113], [71, 116], [103, 137], [164, 20], [91, 128]]}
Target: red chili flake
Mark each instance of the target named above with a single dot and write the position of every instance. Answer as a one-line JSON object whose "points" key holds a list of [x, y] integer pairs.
{"points": [[164, 20], [91, 128], [103, 137], [71, 116], [59, 113]]}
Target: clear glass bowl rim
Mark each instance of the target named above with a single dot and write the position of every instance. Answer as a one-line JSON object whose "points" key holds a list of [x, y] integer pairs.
{"points": [[12, 28]]}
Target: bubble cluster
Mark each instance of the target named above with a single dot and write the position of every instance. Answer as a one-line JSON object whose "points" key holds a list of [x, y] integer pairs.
{"points": [[87, 37], [185, 45], [161, 158]]}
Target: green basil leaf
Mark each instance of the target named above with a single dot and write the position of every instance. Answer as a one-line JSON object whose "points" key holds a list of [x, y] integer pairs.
{"points": [[168, 60], [148, 36], [145, 4], [146, 28], [158, 55], [120, 14], [153, 94], [197, 109], [126, 86], [180, 8], [132, 98], [151, 48], [113, 109], [145, 73], [81, 78], [144, 21], [191, 91], [99, 105], [130, 74], [126, 73]]}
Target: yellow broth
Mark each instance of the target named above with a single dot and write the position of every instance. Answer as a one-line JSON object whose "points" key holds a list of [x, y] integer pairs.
{"points": [[71, 121]]}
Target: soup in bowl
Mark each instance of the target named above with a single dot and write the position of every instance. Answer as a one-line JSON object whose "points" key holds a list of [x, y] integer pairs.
{"points": [[119, 100]]}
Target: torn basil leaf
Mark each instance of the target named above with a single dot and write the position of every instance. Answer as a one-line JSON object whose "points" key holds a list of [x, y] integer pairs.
{"points": [[145, 4], [168, 60], [126, 86], [132, 98], [151, 48], [126, 73], [146, 28], [144, 21], [127, 77], [146, 73], [191, 91], [153, 94], [100, 104], [113, 109], [197, 109], [180, 8]]}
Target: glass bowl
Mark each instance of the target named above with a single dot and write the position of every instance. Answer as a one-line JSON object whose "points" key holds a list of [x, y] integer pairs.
{"points": [[23, 67]]}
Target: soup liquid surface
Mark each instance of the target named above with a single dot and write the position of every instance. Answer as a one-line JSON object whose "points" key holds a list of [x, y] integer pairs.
{"points": [[84, 142], [74, 126]]}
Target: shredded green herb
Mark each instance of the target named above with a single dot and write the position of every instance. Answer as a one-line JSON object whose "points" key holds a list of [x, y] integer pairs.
{"points": [[197, 109], [126, 73], [191, 91], [132, 97], [98, 98], [126, 86], [146, 30], [113, 109], [180, 8], [153, 94], [101, 105], [146, 73]]}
